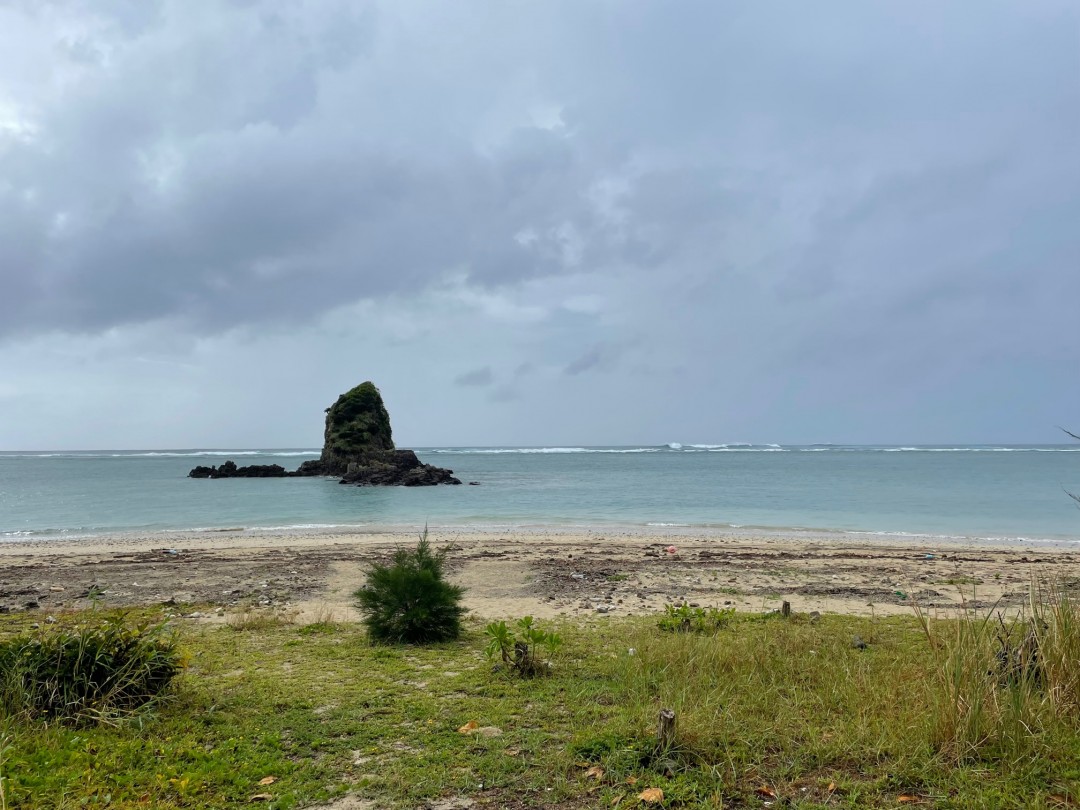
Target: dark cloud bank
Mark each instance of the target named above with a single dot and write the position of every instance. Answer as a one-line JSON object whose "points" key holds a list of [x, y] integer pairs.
{"points": [[788, 197]]}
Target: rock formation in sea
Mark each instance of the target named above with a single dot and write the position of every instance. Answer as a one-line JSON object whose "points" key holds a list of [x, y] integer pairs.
{"points": [[358, 447], [356, 425], [230, 470]]}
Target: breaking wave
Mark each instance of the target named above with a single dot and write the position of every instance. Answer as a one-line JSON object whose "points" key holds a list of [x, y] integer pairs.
{"points": [[495, 451], [747, 447], [671, 447], [165, 454]]}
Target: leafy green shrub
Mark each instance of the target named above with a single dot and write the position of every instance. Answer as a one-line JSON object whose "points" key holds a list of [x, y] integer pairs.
{"points": [[409, 602], [685, 619], [88, 672], [520, 652]]}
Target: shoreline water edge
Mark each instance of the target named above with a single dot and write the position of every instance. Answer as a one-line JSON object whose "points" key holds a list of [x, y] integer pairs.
{"points": [[312, 533], [982, 494]]}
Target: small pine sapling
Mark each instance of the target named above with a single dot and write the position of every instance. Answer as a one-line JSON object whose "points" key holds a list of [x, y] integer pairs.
{"points": [[409, 601]]}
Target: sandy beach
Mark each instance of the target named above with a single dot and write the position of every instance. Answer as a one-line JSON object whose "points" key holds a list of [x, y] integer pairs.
{"points": [[539, 572]]}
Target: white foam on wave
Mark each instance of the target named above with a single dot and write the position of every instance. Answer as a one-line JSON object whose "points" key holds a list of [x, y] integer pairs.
{"points": [[1003, 449], [974, 449], [165, 454], [283, 528], [677, 447], [168, 454], [769, 449], [196, 453], [908, 534], [55, 455], [497, 451], [293, 526], [729, 447], [720, 446]]}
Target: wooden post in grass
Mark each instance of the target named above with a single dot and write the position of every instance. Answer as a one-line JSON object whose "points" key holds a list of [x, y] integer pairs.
{"points": [[665, 730], [785, 609]]}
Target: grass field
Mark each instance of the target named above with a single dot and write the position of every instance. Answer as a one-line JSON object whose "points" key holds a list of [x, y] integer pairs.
{"points": [[770, 712]]}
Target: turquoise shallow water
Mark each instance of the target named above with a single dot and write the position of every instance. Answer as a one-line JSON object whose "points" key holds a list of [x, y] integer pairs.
{"points": [[971, 491]]}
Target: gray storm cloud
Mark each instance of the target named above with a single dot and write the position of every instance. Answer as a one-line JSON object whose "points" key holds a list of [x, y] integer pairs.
{"points": [[868, 191], [478, 377]]}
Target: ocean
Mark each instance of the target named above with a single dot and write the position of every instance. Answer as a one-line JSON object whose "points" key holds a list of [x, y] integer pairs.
{"points": [[984, 492]]}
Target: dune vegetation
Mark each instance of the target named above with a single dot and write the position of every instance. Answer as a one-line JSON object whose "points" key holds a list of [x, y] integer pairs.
{"points": [[833, 711]]}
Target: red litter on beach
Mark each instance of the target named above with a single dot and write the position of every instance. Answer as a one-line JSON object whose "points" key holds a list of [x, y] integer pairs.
{"points": [[671, 549]]}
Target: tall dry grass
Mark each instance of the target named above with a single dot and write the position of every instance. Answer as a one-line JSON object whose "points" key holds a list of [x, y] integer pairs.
{"points": [[1003, 684], [3, 757]]}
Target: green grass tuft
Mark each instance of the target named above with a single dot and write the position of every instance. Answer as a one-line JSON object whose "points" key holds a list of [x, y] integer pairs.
{"points": [[90, 672]]}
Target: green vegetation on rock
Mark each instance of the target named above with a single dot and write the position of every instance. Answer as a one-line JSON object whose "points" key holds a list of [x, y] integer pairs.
{"points": [[356, 424]]}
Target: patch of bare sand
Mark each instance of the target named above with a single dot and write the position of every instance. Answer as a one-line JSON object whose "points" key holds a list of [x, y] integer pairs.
{"points": [[345, 803], [352, 802], [542, 573]]}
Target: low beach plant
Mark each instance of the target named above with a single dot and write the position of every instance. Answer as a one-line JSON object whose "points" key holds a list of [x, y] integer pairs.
{"points": [[93, 672], [410, 601], [686, 619], [528, 650]]}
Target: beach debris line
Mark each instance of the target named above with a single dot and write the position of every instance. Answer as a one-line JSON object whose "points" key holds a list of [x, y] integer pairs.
{"points": [[358, 447]]}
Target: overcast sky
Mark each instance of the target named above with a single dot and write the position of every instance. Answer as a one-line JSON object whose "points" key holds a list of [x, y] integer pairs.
{"points": [[609, 222]]}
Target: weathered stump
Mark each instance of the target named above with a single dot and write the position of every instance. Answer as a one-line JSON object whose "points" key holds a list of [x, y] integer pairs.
{"points": [[665, 731]]}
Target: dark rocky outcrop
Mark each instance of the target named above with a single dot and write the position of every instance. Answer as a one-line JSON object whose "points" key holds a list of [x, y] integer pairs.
{"points": [[395, 468], [230, 470], [358, 446]]}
